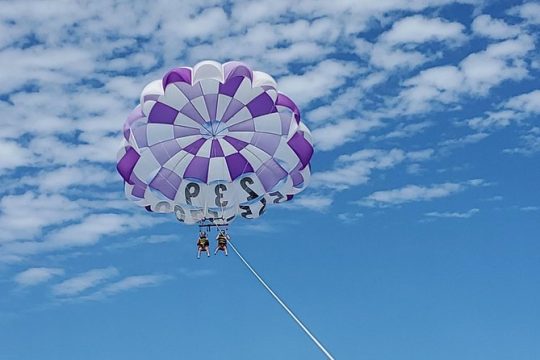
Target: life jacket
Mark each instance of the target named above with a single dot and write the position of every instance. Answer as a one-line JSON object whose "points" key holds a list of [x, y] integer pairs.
{"points": [[222, 240], [203, 241]]}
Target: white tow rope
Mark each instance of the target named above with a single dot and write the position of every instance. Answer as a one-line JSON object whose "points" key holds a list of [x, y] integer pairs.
{"points": [[319, 345]]}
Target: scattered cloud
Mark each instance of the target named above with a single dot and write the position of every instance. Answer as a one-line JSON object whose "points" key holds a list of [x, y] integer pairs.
{"points": [[456, 215], [414, 193], [82, 282], [35, 276], [485, 25], [356, 168]]}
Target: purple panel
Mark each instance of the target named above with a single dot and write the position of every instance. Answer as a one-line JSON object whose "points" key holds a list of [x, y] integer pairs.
{"points": [[233, 107], [162, 113], [167, 182], [181, 131], [198, 169], [194, 147], [296, 178], [165, 150], [270, 173], [247, 125], [261, 105], [230, 86], [237, 144], [216, 150], [285, 118], [138, 191], [290, 197], [237, 68], [133, 116], [284, 100], [301, 147], [159, 153], [238, 165], [190, 111], [139, 188], [211, 105], [127, 163], [266, 142], [190, 91], [177, 75], [139, 133]]}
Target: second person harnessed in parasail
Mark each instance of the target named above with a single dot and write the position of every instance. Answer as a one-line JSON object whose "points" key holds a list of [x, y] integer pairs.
{"points": [[222, 239]]}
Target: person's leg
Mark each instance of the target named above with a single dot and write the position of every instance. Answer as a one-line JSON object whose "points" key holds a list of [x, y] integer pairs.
{"points": [[199, 252], [225, 249], [207, 251], [215, 252]]}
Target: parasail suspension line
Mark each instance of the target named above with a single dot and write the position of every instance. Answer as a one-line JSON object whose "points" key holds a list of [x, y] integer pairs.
{"points": [[289, 311]]}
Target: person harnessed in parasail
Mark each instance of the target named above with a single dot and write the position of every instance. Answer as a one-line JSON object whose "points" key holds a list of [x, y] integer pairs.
{"points": [[202, 244], [222, 239]]}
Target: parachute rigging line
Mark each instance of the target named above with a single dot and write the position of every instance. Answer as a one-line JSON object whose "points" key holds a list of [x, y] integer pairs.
{"points": [[289, 311]]}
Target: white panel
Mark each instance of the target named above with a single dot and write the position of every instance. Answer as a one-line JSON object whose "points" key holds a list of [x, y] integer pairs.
{"points": [[260, 154], [284, 154], [207, 70], [173, 162], [252, 158], [227, 148], [147, 107], [200, 105], [240, 116], [146, 165], [248, 189], [245, 93], [156, 133], [194, 192], [187, 140], [186, 121], [223, 102], [209, 86], [218, 170], [174, 97], [263, 79], [204, 151], [153, 88], [242, 135], [270, 123], [180, 168]]}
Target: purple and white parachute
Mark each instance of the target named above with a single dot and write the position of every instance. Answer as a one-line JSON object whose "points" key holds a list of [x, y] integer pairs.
{"points": [[213, 142]]}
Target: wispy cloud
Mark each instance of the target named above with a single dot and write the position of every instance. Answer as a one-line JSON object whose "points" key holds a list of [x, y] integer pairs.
{"points": [[458, 215], [80, 283], [35, 276], [414, 193]]}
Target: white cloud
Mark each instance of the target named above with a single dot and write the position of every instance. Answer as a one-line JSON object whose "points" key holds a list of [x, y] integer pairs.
{"points": [[25, 216], [127, 284], [350, 218], [356, 168], [414, 193], [420, 29], [76, 285], [487, 26], [529, 11], [318, 81], [333, 135], [13, 155], [475, 75], [312, 202], [528, 103], [458, 215], [35, 276], [413, 30]]}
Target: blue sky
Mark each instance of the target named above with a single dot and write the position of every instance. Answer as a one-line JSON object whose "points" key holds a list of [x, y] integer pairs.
{"points": [[417, 239]]}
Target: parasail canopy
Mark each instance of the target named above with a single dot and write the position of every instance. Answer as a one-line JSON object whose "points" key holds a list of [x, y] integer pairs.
{"points": [[213, 142]]}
